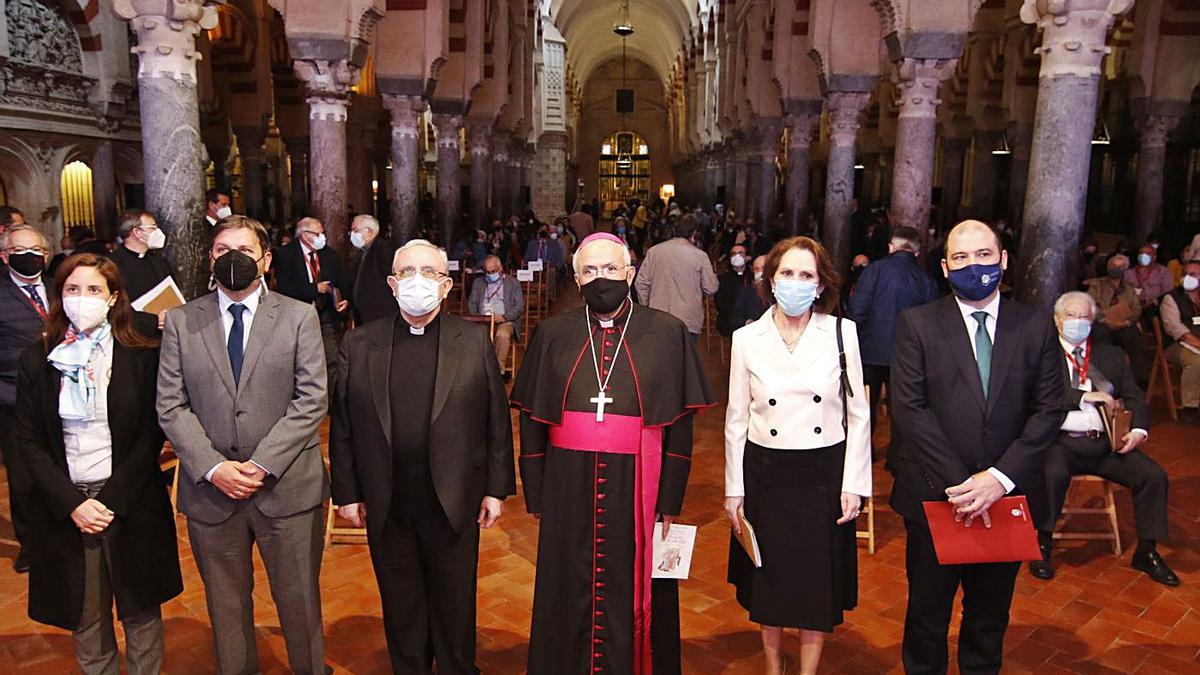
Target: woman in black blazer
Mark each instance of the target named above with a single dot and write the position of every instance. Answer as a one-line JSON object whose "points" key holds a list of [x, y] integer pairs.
{"points": [[102, 527]]}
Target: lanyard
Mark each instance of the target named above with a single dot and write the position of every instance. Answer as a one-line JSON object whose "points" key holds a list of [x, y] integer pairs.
{"points": [[1087, 362], [492, 294]]}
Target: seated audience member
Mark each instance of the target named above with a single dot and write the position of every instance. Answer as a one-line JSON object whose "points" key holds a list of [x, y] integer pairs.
{"points": [[1180, 313], [1119, 311], [1175, 266], [101, 524], [1149, 279], [750, 306], [1098, 377], [729, 285], [498, 294]]}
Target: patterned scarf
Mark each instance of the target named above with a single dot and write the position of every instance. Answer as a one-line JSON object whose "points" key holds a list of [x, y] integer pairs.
{"points": [[74, 357]]}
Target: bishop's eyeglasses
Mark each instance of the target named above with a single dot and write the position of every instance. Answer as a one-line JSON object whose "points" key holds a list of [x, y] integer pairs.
{"points": [[609, 271]]}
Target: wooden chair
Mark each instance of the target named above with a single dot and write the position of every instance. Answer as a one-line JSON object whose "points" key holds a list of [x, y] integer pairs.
{"points": [[1109, 509], [489, 320], [169, 461], [1161, 369], [341, 535], [868, 509]]}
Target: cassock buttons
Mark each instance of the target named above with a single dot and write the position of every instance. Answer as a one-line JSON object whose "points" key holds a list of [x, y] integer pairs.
{"points": [[772, 401], [774, 432], [817, 398], [817, 430]]}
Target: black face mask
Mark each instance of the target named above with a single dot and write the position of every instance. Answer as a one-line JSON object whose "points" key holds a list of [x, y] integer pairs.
{"points": [[235, 271], [604, 296], [27, 265]]}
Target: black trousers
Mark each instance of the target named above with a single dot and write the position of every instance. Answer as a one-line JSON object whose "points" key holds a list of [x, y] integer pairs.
{"points": [[20, 483], [1144, 477], [875, 377], [427, 579], [987, 595]]}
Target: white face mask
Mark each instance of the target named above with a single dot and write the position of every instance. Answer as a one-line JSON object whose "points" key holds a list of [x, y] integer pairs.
{"points": [[357, 240], [156, 239], [318, 242], [1190, 283], [418, 296], [85, 313], [224, 212], [738, 260]]}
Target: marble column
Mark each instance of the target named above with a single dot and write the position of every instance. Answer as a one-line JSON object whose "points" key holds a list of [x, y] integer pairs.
{"points": [[250, 148], [917, 83], [549, 176], [297, 149], [749, 159], [845, 110], [954, 159], [712, 179], [500, 184], [1073, 46], [481, 170], [1020, 136], [357, 179], [983, 174], [1153, 131], [406, 162], [768, 131], [170, 124], [104, 190], [327, 84], [449, 159], [873, 169], [515, 179]]}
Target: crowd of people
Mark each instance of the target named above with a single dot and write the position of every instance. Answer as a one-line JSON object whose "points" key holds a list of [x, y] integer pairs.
{"points": [[988, 398]]}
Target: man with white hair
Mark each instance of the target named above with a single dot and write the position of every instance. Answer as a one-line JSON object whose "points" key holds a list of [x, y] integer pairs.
{"points": [[606, 394], [372, 297], [311, 272], [422, 440], [1097, 377]]}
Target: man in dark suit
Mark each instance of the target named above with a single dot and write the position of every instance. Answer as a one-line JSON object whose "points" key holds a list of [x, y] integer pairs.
{"points": [[729, 286], [142, 268], [372, 297], [25, 293], [1098, 375], [977, 397], [422, 442], [311, 272]]}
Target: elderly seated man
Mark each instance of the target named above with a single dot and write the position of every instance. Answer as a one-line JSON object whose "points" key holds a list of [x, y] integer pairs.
{"points": [[1097, 377], [497, 294], [1180, 313], [1118, 312]]}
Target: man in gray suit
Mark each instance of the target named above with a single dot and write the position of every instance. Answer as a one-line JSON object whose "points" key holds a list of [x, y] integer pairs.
{"points": [[248, 444]]}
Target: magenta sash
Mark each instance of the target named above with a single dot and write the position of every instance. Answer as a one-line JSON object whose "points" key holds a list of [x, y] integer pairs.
{"points": [[625, 435]]}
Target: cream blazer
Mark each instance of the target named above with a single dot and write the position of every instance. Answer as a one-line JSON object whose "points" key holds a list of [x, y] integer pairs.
{"points": [[790, 400]]}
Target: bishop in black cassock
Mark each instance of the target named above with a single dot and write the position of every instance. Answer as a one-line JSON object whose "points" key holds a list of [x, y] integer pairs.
{"points": [[606, 395]]}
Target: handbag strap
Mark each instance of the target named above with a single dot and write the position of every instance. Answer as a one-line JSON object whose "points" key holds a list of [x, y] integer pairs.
{"points": [[845, 388]]}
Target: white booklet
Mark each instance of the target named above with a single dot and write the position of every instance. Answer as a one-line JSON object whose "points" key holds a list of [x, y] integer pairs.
{"points": [[673, 556], [166, 295]]}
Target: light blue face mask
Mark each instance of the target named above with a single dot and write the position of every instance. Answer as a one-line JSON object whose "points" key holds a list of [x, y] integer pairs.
{"points": [[795, 296], [493, 277], [1076, 331]]}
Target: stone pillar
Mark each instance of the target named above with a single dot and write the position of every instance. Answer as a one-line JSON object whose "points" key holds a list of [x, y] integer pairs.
{"points": [[845, 109], [872, 167], [328, 87], [218, 155], [749, 159], [297, 149], [357, 179], [712, 180], [1073, 46], [549, 185], [104, 190], [917, 83], [769, 131], [481, 169], [1153, 131], [515, 179], [170, 121], [250, 148], [983, 174], [500, 184], [1020, 136], [954, 158], [406, 162], [449, 157]]}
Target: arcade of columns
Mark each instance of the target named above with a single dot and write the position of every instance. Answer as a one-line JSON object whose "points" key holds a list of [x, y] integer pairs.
{"points": [[770, 103]]}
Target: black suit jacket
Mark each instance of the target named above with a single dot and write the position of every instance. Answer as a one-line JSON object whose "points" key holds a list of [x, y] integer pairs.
{"points": [[470, 439], [141, 538], [372, 298], [20, 325], [1111, 361], [944, 428], [291, 278]]}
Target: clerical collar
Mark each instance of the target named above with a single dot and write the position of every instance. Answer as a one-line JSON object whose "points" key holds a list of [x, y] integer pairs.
{"points": [[608, 323], [420, 330]]}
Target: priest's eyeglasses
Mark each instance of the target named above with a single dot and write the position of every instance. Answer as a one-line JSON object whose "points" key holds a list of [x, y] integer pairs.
{"points": [[609, 271], [427, 272]]}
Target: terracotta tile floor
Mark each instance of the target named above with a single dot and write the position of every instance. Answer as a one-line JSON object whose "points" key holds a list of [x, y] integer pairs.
{"points": [[1097, 616]]}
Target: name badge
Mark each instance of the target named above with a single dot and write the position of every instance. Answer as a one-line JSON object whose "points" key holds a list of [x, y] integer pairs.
{"points": [[452, 265], [525, 275], [535, 265]]}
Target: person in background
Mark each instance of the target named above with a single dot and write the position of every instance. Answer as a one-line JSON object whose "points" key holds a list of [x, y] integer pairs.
{"points": [[9, 216], [498, 294], [216, 205], [1091, 262], [372, 297], [546, 248], [101, 524], [1149, 279], [141, 267], [1120, 310], [1180, 312], [675, 276], [749, 306], [887, 287], [79, 239], [1175, 267], [310, 272], [797, 455], [582, 222], [25, 292], [1098, 376], [729, 285]]}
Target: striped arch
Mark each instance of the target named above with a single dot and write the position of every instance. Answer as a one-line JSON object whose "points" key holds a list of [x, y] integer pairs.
{"points": [[81, 13], [233, 41]]}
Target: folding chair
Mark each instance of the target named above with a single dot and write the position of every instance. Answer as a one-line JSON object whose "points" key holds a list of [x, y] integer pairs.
{"points": [[1161, 369], [868, 508], [169, 461]]}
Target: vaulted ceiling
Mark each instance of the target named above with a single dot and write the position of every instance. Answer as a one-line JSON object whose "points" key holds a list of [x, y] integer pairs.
{"points": [[660, 26]]}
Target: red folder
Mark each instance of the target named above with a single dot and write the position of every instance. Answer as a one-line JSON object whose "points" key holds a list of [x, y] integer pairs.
{"points": [[1011, 537]]}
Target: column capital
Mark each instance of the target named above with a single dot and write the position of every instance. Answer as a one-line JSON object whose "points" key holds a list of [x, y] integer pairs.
{"points": [[480, 138], [553, 140], [801, 129], [916, 83], [1153, 130], [766, 133], [845, 111], [1074, 33], [166, 35], [448, 125], [327, 84], [406, 114], [250, 141], [500, 143]]}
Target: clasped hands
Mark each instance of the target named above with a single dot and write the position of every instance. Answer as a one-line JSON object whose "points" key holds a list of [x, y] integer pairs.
{"points": [[92, 517], [973, 497], [238, 480]]}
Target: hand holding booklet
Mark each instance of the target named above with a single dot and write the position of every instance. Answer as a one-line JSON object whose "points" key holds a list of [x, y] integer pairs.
{"points": [[673, 554], [748, 540], [1011, 537], [166, 295]]}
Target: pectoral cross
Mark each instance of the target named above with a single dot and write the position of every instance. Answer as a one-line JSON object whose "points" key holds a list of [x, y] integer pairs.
{"points": [[600, 399]]}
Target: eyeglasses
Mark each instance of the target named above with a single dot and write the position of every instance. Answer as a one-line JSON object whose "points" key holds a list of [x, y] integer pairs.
{"points": [[609, 271], [427, 272], [20, 251]]}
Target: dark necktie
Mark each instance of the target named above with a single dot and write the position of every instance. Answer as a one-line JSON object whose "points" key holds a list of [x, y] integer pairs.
{"points": [[36, 298], [983, 350], [1076, 364], [314, 265], [236, 334]]}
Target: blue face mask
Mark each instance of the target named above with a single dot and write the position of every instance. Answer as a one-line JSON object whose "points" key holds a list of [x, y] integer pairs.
{"points": [[621, 231], [975, 282], [794, 296], [1076, 331], [1144, 260], [493, 277]]}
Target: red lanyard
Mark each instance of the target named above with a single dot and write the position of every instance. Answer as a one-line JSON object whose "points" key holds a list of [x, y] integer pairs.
{"points": [[1087, 361], [493, 294]]}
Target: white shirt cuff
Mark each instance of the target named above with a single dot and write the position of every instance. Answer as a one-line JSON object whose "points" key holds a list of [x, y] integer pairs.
{"points": [[208, 476], [265, 470], [1009, 486], [1145, 434]]}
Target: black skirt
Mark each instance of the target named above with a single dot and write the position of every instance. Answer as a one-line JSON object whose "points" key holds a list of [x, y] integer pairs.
{"points": [[809, 575]]}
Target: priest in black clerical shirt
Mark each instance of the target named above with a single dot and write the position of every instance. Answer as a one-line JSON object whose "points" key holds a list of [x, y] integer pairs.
{"points": [[141, 267], [421, 453]]}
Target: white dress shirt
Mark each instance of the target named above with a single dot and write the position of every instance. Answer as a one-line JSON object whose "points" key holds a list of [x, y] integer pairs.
{"points": [[791, 400], [37, 283], [251, 305], [993, 311], [1086, 417], [89, 442]]}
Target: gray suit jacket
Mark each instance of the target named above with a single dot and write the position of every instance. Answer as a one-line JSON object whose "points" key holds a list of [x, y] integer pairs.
{"points": [[210, 420], [514, 299]]}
